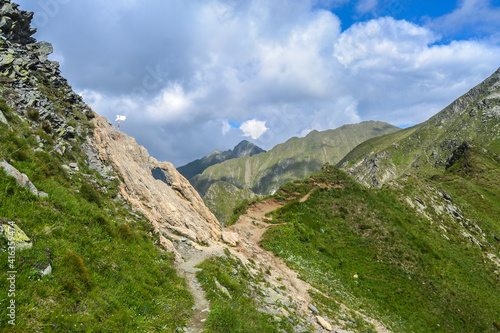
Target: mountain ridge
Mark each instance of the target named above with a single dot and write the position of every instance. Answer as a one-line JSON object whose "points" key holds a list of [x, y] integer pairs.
{"points": [[294, 159], [243, 149], [428, 146]]}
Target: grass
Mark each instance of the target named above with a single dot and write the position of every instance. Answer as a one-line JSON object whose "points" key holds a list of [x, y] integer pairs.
{"points": [[368, 249], [107, 273], [239, 312]]}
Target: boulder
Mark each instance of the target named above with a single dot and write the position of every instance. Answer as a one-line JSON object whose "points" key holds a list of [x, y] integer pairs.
{"points": [[230, 237], [15, 235], [21, 179], [324, 323]]}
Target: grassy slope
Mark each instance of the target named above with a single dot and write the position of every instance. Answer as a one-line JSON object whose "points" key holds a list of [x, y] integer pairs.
{"points": [[427, 146], [295, 159], [222, 198], [369, 249], [107, 274], [237, 313]]}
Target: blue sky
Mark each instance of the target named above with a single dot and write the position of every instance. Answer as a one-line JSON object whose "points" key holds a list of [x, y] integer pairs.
{"points": [[199, 75]]}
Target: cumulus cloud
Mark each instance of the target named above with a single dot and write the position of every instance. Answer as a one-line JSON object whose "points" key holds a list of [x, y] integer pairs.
{"points": [[279, 68], [366, 6], [476, 16], [254, 128]]}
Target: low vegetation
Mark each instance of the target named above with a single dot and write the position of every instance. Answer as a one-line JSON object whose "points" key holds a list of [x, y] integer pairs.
{"points": [[370, 250], [107, 274], [238, 309]]}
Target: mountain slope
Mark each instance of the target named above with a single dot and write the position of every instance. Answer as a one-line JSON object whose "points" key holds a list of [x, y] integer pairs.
{"points": [[420, 254], [87, 230], [242, 149], [429, 146], [420, 257], [297, 158]]}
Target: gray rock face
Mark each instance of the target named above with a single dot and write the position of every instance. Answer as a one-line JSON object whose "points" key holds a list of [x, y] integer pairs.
{"points": [[15, 23], [29, 75], [21, 179]]}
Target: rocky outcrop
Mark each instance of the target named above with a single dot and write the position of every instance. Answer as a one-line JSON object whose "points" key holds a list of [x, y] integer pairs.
{"points": [[171, 203], [15, 23], [21, 179], [377, 170]]}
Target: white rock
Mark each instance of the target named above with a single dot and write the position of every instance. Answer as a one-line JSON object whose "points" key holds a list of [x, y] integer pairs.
{"points": [[230, 237], [324, 323]]}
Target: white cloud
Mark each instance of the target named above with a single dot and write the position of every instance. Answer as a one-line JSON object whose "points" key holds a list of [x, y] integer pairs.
{"points": [[253, 128], [225, 127], [477, 16], [172, 104], [198, 67], [366, 6]]}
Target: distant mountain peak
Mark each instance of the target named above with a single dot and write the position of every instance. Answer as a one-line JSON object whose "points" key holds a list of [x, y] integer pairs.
{"points": [[243, 149]]}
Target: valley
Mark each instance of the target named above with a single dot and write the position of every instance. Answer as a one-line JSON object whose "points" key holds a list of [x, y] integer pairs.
{"points": [[363, 228]]}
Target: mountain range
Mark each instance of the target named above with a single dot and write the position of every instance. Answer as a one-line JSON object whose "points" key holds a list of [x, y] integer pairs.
{"points": [[243, 149], [365, 228], [297, 158]]}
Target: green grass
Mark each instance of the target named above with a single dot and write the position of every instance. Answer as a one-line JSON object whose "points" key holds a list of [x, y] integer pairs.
{"points": [[237, 313], [107, 273], [368, 249]]}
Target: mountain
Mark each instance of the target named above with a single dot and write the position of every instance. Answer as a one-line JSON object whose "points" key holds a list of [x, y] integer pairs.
{"points": [[87, 231], [411, 238], [297, 158], [222, 198], [243, 149], [95, 235], [473, 119]]}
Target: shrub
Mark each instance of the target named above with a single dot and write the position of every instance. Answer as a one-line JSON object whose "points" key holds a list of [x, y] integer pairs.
{"points": [[33, 114], [47, 127], [90, 194], [74, 263]]}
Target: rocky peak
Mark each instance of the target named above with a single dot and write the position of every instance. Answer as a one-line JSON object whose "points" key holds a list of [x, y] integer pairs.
{"points": [[15, 23], [242, 149], [246, 148]]}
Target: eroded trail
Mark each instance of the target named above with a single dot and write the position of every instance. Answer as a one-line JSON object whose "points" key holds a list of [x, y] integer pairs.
{"points": [[192, 256], [249, 230]]}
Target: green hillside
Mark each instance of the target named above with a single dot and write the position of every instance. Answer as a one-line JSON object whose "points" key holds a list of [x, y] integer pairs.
{"points": [[222, 198], [297, 158], [428, 147], [97, 248], [420, 257]]}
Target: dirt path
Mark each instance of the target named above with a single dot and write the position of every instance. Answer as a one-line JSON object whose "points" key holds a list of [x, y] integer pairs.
{"points": [[192, 256], [250, 228]]}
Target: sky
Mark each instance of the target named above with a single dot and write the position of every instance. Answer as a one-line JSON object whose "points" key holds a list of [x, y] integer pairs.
{"points": [[193, 76]]}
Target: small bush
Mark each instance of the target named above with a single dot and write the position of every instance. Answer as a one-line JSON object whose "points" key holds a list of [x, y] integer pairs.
{"points": [[125, 231], [20, 155], [47, 128], [74, 263], [33, 114], [90, 194]]}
